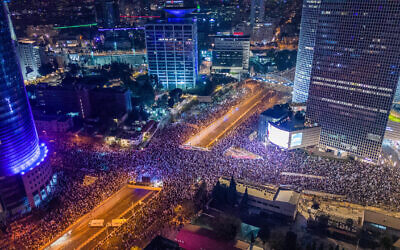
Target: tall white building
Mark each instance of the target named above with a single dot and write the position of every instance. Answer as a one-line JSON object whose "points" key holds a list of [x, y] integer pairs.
{"points": [[29, 55], [308, 29], [172, 50], [257, 11]]}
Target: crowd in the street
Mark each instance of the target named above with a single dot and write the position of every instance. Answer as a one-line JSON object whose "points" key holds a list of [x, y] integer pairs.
{"points": [[179, 169]]}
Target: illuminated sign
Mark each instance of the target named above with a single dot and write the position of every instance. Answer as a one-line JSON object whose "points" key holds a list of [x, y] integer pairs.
{"points": [[277, 136], [296, 139]]}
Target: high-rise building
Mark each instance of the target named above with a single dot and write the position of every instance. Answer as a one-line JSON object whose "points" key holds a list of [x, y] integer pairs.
{"points": [[29, 57], [355, 72], [24, 179], [231, 54], [172, 49], [305, 53], [257, 12], [107, 12]]}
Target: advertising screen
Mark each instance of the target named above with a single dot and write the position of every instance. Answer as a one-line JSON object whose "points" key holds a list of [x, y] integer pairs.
{"points": [[278, 137], [296, 139]]}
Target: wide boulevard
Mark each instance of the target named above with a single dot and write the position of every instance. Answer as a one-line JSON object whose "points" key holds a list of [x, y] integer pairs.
{"points": [[234, 117], [81, 236]]}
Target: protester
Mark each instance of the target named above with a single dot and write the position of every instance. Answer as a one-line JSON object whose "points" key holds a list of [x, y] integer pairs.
{"points": [[376, 185]]}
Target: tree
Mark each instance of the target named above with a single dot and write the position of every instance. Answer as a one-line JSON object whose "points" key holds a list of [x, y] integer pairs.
{"points": [[386, 242], [218, 193], [45, 69], [74, 68], [232, 193], [323, 221], [277, 241], [226, 227], [171, 102], [176, 94], [188, 209], [315, 205], [349, 223], [264, 234], [244, 202], [201, 195], [314, 245], [252, 240], [290, 240]]}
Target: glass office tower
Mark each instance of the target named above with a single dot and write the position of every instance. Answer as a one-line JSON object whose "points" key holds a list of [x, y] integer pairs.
{"points": [[172, 49], [305, 53], [20, 151], [355, 73]]}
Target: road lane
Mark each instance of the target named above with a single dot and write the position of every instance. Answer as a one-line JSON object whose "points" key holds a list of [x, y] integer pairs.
{"points": [[113, 208], [208, 136]]}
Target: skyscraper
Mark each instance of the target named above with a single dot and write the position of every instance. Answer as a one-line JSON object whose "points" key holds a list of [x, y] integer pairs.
{"points": [[257, 11], [305, 53], [355, 72], [107, 12], [24, 181], [172, 49]]}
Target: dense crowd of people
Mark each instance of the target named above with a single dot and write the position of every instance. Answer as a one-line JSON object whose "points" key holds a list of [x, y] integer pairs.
{"points": [[179, 169]]}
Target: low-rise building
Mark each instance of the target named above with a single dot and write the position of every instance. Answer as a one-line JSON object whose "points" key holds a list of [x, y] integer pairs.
{"points": [[54, 123], [381, 223], [285, 128], [267, 199]]}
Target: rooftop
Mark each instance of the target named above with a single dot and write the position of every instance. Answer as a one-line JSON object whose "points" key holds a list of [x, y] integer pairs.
{"points": [[292, 122], [278, 111], [288, 196], [175, 20], [381, 219]]}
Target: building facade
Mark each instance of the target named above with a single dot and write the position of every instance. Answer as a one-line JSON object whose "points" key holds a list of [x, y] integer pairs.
{"points": [[355, 72], [107, 13], [231, 53], [305, 53], [257, 11], [29, 56], [21, 153], [277, 201], [172, 51]]}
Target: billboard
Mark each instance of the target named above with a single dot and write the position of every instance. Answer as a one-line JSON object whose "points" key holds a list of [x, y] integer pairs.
{"points": [[296, 139], [278, 137]]}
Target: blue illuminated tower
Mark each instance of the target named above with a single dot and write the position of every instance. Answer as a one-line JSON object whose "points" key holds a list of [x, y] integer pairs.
{"points": [[20, 152]]}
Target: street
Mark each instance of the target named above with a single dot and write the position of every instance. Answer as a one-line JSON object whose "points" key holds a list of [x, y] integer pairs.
{"points": [[208, 136], [80, 235]]}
